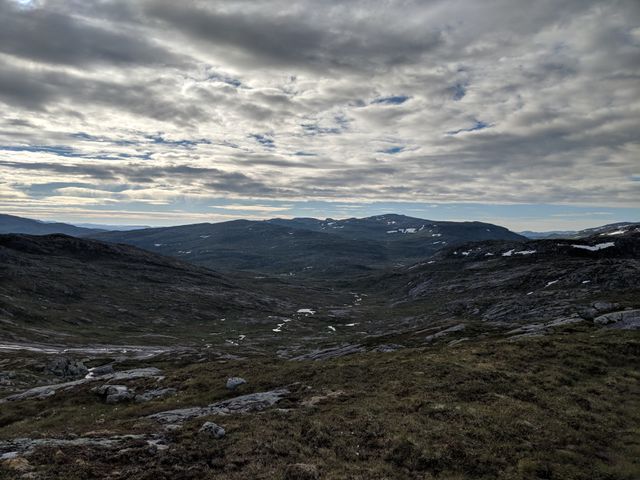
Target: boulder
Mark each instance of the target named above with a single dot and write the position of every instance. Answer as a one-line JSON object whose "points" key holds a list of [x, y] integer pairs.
{"points": [[67, 367], [115, 393], [234, 382], [212, 430]]}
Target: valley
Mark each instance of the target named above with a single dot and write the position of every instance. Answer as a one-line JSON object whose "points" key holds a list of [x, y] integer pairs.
{"points": [[500, 357]]}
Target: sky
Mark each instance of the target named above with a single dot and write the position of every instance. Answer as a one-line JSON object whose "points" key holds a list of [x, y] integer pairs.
{"points": [[156, 112]]}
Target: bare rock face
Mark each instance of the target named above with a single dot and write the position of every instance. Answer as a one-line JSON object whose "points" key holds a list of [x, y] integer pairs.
{"points": [[623, 320], [253, 402], [212, 430], [624, 317]]}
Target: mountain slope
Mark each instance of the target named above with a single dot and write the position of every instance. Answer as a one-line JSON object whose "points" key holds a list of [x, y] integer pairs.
{"points": [[56, 288], [308, 246], [604, 230], [255, 246], [13, 224], [505, 283]]}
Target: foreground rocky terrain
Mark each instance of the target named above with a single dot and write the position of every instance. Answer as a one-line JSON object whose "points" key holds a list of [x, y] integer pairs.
{"points": [[514, 359], [564, 405]]}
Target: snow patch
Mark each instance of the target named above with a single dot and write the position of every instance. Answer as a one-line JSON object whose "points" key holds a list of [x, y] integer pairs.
{"points": [[595, 248]]}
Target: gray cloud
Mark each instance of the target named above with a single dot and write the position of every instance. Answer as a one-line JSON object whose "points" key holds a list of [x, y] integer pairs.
{"points": [[456, 101], [53, 37]]}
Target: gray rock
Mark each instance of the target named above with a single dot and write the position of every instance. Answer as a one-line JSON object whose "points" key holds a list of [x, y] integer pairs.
{"points": [[243, 404], [49, 390], [445, 332], [614, 317], [628, 322], [212, 430], [604, 306], [115, 393], [67, 367], [333, 352], [387, 348], [234, 382], [25, 446], [154, 394], [101, 370]]}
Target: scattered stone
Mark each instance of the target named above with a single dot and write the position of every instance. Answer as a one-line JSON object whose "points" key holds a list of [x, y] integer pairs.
{"points": [[212, 430], [629, 316], [234, 382], [67, 368], [301, 471], [243, 404], [154, 394]]}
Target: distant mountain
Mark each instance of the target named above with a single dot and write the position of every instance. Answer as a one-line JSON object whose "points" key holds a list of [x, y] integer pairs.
{"points": [[309, 246], [13, 224], [100, 226], [610, 229], [60, 288]]}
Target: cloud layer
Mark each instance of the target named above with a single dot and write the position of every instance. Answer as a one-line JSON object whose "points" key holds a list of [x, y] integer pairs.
{"points": [[111, 105]]}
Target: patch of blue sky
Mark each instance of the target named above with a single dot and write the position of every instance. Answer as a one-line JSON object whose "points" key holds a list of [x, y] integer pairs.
{"points": [[391, 100]]}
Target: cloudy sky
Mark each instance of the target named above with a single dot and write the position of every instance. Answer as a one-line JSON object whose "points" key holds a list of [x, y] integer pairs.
{"points": [[159, 112]]}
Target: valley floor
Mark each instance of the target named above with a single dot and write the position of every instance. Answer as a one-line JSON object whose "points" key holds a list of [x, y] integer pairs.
{"points": [[561, 406]]}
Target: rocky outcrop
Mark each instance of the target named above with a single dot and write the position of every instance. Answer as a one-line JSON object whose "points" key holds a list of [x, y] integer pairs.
{"points": [[445, 332], [49, 390], [328, 353], [67, 368], [243, 404], [623, 320]]}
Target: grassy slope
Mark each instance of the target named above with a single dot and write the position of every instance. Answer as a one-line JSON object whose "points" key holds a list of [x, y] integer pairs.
{"points": [[566, 406]]}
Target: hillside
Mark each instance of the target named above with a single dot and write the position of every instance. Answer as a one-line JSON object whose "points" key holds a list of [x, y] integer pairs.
{"points": [[505, 284], [604, 230], [13, 224], [308, 247], [57, 288]]}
